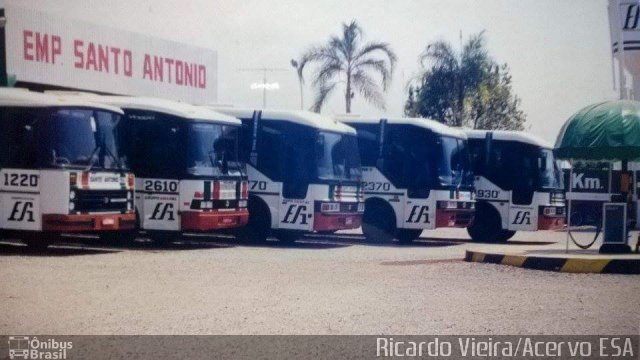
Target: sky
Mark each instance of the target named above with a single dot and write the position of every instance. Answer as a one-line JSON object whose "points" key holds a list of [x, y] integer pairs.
{"points": [[558, 50]]}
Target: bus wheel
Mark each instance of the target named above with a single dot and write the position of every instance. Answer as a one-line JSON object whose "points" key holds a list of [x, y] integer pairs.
{"points": [[287, 236], [378, 222], [486, 226], [506, 235], [259, 226], [407, 236]]}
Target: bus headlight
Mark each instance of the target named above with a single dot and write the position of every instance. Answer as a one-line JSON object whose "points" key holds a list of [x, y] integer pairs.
{"points": [[72, 195], [242, 203], [206, 205], [330, 207], [72, 205], [550, 211], [361, 207], [448, 205], [129, 195]]}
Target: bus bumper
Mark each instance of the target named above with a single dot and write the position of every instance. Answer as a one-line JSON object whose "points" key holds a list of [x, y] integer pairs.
{"points": [[331, 222], [550, 222], [213, 220], [456, 218], [88, 222]]}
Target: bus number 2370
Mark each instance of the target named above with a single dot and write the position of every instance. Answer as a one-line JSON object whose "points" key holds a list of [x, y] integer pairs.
{"points": [[376, 186]]}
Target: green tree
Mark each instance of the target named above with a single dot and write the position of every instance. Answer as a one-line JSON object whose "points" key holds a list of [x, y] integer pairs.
{"points": [[347, 60], [466, 88]]}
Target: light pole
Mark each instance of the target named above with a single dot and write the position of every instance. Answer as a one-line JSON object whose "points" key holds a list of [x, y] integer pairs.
{"points": [[296, 66], [264, 86]]}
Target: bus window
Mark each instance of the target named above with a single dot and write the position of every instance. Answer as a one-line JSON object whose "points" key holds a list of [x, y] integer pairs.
{"points": [[368, 143]]}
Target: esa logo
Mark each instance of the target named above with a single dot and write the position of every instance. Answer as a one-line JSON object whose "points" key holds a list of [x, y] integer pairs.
{"points": [[522, 218], [163, 211], [22, 211], [419, 214], [296, 214]]}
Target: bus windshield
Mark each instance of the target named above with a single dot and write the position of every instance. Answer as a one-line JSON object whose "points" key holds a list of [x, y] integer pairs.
{"points": [[212, 150], [453, 163], [337, 156], [550, 174], [77, 138], [162, 145]]}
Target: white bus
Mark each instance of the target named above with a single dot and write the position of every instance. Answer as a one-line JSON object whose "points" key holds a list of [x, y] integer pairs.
{"points": [[518, 182], [188, 177], [416, 175], [61, 170], [304, 173]]}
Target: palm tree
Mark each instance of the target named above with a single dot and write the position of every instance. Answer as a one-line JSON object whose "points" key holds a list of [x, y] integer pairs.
{"points": [[345, 60]]}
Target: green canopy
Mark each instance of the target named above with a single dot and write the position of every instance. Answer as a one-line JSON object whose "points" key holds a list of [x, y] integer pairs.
{"points": [[604, 131]]}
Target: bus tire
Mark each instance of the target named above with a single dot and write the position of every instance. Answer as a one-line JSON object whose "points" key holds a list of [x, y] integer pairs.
{"points": [[486, 226], [407, 236], [506, 235], [378, 222], [258, 228]]}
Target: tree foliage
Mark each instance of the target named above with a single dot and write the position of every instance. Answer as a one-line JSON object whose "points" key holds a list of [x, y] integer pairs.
{"points": [[363, 68], [466, 88]]}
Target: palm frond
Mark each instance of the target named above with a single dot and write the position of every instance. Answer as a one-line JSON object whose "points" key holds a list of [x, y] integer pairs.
{"points": [[324, 90], [383, 47], [378, 65], [327, 71], [316, 54], [368, 88]]}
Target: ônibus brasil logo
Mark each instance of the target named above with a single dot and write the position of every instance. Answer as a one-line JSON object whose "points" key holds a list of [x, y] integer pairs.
{"points": [[25, 347]]}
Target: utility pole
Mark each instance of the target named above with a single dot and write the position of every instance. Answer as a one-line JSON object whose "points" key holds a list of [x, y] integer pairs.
{"points": [[264, 71], [296, 65]]}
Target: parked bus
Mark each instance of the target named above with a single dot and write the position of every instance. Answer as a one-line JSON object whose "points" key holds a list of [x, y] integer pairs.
{"points": [[304, 173], [518, 182], [188, 177], [61, 168], [416, 175]]}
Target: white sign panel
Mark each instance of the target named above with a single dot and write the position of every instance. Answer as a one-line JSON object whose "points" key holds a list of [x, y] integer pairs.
{"points": [[47, 49]]}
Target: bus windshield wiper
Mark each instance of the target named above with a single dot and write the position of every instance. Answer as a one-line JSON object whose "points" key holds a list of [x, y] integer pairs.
{"points": [[91, 160], [115, 158]]}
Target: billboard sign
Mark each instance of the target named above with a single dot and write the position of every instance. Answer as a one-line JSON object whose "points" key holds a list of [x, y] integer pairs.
{"points": [[48, 49]]}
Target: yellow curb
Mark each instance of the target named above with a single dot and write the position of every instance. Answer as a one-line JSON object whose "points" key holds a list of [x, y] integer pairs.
{"points": [[477, 257], [584, 265], [513, 260]]}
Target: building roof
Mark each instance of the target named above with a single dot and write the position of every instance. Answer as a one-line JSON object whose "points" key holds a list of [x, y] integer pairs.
{"points": [[429, 124], [507, 135], [169, 107], [25, 98], [296, 116]]}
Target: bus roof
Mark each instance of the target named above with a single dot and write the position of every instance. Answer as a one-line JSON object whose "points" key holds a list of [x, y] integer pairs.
{"points": [[25, 98], [432, 125], [169, 107], [510, 135], [296, 116]]}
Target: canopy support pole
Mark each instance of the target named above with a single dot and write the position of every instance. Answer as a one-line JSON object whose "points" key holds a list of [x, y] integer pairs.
{"points": [[569, 205]]}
